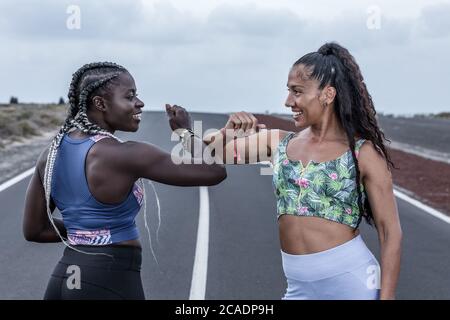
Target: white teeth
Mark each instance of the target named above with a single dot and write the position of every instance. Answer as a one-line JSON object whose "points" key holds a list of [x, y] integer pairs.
{"points": [[137, 116], [297, 114]]}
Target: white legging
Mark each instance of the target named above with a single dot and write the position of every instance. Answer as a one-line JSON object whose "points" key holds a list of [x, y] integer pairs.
{"points": [[348, 271]]}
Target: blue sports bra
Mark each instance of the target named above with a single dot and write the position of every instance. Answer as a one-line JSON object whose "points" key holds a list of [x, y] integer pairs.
{"points": [[88, 221]]}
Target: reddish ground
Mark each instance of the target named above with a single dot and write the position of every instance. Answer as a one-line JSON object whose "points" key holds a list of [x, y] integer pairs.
{"points": [[426, 180]]}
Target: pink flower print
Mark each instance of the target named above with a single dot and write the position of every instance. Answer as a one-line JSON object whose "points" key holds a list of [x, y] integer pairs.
{"points": [[286, 162], [304, 183], [303, 210], [348, 211], [333, 176]]}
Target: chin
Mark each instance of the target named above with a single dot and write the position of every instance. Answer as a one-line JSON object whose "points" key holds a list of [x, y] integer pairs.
{"points": [[131, 129], [300, 124]]}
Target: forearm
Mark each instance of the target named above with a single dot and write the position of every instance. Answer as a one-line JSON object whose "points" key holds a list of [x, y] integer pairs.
{"points": [[390, 244], [49, 234], [222, 146], [234, 149], [208, 150], [203, 156]]}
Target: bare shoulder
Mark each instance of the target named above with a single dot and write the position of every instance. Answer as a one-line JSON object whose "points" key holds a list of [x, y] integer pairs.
{"points": [[369, 151], [124, 155], [275, 135], [42, 158], [109, 149], [371, 159], [282, 134], [42, 161]]}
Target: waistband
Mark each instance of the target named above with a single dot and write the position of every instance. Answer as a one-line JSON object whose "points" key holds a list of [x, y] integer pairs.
{"points": [[343, 258], [114, 257]]}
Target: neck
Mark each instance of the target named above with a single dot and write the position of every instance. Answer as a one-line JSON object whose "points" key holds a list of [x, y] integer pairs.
{"points": [[97, 119], [328, 128]]}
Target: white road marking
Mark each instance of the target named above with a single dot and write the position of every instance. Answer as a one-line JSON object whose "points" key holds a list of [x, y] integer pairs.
{"points": [[200, 270], [16, 179], [422, 206]]}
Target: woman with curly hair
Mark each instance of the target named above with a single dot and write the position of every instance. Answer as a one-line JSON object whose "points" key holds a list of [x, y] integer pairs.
{"points": [[327, 177]]}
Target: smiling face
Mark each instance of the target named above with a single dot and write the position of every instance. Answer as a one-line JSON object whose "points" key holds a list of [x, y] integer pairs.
{"points": [[123, 107], [305, 99]]}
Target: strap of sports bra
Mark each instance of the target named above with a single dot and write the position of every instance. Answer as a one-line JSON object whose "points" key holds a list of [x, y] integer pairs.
{"points": [[358, 146], [283, 143], [98, 137]]}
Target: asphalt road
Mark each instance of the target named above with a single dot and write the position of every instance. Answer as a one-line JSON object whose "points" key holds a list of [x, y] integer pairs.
{"points": [[244, 259], [427, 133]]}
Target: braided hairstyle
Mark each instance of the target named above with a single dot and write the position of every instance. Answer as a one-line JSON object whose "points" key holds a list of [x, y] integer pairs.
{"points": [[90, 80], [333, 65]]}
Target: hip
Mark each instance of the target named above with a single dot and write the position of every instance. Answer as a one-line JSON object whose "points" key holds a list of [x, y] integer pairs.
{"points": [[337, 260]]}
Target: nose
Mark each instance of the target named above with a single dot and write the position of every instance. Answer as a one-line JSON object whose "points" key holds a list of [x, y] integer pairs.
{"points": [[140, 103], [289, 103]]}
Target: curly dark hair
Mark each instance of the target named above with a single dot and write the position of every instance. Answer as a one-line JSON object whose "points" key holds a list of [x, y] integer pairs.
{"points": [[333, 65]]}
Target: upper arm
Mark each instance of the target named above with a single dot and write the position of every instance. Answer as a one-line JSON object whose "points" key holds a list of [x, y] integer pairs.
{"points": [[35, 210], [377, 180], [144, 160], [255, 148]]}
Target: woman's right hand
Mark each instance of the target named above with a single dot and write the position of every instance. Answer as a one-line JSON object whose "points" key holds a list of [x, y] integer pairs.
{"points": [[242, 124], [179, 118]]}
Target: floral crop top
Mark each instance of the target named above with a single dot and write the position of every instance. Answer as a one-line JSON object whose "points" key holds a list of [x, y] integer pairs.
{"points": [[320, 189]]}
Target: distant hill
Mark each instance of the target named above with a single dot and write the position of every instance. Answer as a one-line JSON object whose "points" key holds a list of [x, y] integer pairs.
{"points": [[18, 121]]}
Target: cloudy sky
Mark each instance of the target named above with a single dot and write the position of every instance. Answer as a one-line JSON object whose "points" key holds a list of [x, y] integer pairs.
{"points": [[226, 55]]}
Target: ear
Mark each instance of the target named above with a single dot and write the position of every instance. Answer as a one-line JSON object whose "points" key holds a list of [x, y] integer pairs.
{"points": [[99, 103], [328, 95]]}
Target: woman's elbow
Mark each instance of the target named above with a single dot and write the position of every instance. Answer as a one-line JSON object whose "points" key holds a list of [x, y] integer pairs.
{"points": [[392, 234], [30, 232], [31, 236], [396, 233], [218, 175]]}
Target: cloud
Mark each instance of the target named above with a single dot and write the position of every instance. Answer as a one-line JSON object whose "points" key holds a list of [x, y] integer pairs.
{"points": [[231, 58], [47, 19], [434, 21]]}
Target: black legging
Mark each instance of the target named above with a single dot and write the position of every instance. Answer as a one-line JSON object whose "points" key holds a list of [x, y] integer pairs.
{"points": [[100, 277]]}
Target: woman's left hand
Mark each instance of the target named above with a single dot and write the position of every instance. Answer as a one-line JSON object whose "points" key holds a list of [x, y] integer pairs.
{"points": [[179, 118], [242, 124]]}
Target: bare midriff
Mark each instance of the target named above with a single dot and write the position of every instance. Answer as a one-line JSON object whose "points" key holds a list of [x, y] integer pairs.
{"points": [[306, 235]]}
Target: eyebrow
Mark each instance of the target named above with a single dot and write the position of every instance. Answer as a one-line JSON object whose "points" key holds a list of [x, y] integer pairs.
{"points": [[295, 86]]}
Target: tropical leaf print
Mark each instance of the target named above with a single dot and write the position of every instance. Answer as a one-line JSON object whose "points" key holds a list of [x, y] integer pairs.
{"points": [[326, 190], [335, 186]]}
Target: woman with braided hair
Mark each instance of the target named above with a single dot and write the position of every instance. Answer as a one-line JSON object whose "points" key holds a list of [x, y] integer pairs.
{"points": [[327, 177], [90, 175]]}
